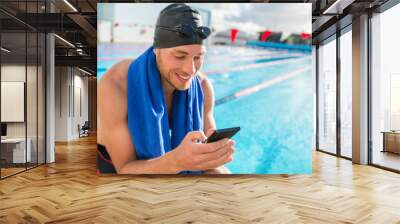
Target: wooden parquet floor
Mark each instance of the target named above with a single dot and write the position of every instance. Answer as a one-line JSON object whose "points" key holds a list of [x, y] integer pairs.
{"points": [[69, 191]]}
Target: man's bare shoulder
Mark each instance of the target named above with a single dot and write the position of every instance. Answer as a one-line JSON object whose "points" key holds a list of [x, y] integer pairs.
{"points": [[116, 76], [206, 85], [202, 76], [112, 90], [112, 99]]}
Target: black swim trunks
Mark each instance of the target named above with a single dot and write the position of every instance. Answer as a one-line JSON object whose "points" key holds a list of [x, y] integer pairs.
{"points": [[104, 162]]}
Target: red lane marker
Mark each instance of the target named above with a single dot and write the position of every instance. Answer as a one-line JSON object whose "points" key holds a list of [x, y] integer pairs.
{"points": [[305, 36], [233, 35], [265, 35]]}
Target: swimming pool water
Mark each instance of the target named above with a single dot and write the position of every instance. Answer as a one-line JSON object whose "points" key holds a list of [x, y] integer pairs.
{"points": [[276, 122], [276, 128]]}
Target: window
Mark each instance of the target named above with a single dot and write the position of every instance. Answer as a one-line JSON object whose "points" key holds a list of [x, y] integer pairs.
{"points": [[22, 78], [385, 89], [346, 94], [327, 96]]}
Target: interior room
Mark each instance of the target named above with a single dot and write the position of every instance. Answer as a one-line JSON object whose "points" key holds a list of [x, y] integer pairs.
{"points": [[48, 75]]}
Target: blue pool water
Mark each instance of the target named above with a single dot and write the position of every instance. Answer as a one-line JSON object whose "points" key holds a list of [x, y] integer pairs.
{"points": [[276, 122], [276, 128]]}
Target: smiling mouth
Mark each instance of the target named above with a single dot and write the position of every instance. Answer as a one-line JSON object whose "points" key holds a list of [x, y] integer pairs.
{"points": [[183, 78]]}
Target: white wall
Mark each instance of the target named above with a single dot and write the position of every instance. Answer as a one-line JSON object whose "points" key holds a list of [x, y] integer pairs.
{"points": [[61, 103], [33, 126], [80, 84], [14, 73], [70, 83], [17, 73]]}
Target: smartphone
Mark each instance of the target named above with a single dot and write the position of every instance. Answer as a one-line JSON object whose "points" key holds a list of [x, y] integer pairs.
{"points": [[222, 133]]}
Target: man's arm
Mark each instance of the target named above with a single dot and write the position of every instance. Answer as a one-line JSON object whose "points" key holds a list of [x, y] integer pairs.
{"points": [[189, 155], [208, 91], [117, 139], [209, 121]]}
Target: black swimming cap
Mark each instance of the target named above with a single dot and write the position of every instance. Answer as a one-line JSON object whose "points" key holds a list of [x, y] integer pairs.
{"points": [[179, 24]]}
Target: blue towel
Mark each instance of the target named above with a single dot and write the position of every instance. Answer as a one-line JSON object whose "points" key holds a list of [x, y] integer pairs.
{"points": [[148, 114]]}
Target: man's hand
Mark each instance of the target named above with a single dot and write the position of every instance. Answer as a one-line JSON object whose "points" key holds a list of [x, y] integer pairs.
{"points": [[218, 170], [221, 169], [190, 155]]}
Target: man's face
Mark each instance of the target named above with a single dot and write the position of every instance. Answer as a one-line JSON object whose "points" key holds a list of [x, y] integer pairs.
{"points": [[178, 65]]}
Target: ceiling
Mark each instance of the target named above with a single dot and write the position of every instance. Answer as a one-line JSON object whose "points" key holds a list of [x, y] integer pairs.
{"points": [[76, 25], [75, 21]]}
